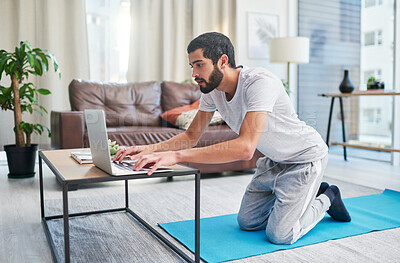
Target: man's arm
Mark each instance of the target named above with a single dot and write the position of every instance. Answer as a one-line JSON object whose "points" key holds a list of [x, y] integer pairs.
{"points": [[241, 148], [185, 140]]}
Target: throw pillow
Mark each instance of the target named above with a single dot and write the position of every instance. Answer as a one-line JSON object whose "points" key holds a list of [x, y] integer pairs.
{"points": [[185, 119], [183, 116], [171, 115]]}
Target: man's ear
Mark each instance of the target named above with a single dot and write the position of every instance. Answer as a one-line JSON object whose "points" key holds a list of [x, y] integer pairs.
{"points": [[224, 61]]}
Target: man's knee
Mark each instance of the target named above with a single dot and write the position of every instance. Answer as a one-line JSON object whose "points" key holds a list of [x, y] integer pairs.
{"points": [[245, 223], [279, 236]]}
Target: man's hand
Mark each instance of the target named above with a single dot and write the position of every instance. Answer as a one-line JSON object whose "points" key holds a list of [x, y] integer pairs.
{"points": [[133, 152], [156, 160]]}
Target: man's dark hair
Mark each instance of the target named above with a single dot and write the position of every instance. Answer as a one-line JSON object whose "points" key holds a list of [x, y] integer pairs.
{"points": [[214, 45]]}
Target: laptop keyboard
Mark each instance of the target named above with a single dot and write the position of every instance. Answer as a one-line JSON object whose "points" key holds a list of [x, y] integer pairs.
{"points": [[122, 167], [126, 168]]}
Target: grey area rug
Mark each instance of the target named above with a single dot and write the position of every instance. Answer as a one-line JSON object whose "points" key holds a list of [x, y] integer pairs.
{"points": [[116, 237], [113, 237]]}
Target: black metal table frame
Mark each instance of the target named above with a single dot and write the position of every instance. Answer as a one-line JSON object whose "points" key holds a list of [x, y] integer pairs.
{"points": [[343, 125], [66, 214]]}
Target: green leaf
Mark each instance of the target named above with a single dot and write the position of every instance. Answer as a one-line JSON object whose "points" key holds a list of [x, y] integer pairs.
{"points": [[30, 88], [3, 53], [7, 91], [11, 67], [54, 60], [22, 91], [31, 59], [17, 74], [39, 69], [38, 111], [16, 51], [31, 98], [3, 99], [38, 131], [30, 84], [39, 127], [3, 62], [27, 44], [20, 54], [29, 107], [43, 109], [44, 91], [45, 127], [44, 60], [26, 127], [23, 108], [26, 74]]}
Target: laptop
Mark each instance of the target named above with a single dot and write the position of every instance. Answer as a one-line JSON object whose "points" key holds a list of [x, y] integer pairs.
{"points": [[99, 148]]}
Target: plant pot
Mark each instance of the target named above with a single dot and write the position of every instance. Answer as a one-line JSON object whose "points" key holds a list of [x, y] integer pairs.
{"points": [[375, 85], [21, 160]]}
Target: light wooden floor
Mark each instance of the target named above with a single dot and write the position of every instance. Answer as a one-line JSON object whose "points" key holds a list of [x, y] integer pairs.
{"points": [[22, 238]]}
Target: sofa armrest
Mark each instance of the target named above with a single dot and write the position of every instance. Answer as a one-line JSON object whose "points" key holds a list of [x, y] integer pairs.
{"points": [[67, 129]]}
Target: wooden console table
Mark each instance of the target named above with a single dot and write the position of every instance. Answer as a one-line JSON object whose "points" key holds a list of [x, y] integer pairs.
{"points": [[354, 94]]}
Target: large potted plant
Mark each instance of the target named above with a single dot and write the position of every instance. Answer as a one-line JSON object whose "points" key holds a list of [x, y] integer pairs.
{"points": [[22, 96]]}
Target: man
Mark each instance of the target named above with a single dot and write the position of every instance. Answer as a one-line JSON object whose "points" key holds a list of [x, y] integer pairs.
{"points": [[286, 196]]}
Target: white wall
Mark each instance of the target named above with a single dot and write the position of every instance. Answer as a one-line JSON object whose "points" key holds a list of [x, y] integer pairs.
{"points": [[287, 13]]}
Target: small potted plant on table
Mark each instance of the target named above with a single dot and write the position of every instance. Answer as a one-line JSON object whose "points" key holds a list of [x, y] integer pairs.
{"points": [[373, 84], [22, 96]]}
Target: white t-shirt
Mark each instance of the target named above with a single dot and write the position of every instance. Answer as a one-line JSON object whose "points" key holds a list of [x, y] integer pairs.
{"points": [[285, 139]]}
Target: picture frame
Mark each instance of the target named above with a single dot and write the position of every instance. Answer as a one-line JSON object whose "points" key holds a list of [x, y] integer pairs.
{"points": [[261, 27]]}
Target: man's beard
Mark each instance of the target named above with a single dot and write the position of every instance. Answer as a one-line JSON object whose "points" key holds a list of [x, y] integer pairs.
{"points": [[215, 79]]}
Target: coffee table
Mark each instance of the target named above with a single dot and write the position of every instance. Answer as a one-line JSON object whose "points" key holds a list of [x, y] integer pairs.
{"points": [[69, 172]]}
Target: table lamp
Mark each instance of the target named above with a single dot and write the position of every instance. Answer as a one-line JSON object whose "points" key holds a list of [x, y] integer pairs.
{"points": [[290, 50]]}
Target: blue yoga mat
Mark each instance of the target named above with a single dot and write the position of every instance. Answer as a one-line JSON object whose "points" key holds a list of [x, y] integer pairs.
{"points": [[222, 240]]}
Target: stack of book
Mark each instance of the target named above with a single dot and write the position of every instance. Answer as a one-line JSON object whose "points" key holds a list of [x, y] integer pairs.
{"points": [[85, 157], [82, 157]]}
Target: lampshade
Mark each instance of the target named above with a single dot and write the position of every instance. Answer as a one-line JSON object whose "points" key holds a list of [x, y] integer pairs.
{"points": [[290, 49]]}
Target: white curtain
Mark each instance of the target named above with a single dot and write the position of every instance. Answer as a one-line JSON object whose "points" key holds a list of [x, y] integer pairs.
{"points": [[162, 29], [60, 27]]}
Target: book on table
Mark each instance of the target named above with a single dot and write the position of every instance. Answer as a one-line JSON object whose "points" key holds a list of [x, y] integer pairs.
{"points": [[83, 157]]}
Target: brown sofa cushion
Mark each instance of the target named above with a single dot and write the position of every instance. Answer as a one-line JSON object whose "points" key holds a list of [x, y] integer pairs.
{"points": [[125, 104], [177, 94]]}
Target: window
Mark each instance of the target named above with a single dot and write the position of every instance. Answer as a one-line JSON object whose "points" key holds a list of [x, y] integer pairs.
{"points": [[379, 37], [369, 3], [378, 130], [369, 38], [368, 52], [368, 115], [108, 26], [373, 38]]}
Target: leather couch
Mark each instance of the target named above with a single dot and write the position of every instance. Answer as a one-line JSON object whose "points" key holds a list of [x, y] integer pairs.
{"points": [[133, 117]]}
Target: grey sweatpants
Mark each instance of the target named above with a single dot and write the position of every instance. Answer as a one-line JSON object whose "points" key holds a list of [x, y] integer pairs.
{"points": [[281, 199]]}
